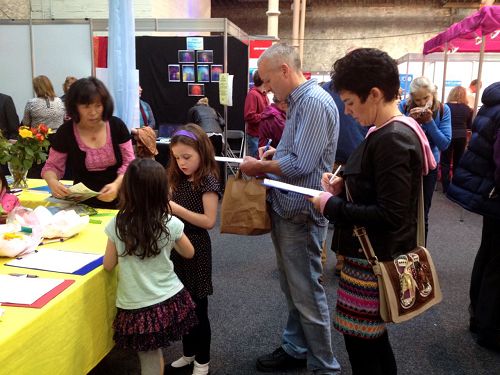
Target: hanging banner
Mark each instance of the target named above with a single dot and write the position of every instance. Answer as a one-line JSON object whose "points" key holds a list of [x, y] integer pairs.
{"points": [[226, 89]]}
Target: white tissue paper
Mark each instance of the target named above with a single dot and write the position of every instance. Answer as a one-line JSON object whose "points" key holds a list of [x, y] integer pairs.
{"points": [[65, 223], [13, 241]]}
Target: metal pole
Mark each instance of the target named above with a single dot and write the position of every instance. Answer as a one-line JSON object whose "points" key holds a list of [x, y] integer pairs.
{"points": [[225, 106], [434, 71], [479, 73], [407, 86], [92, 55], [32, 47], [444, 70]]}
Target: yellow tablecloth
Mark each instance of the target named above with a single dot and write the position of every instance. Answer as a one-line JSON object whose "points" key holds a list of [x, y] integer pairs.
{"points": [[72, 333]]}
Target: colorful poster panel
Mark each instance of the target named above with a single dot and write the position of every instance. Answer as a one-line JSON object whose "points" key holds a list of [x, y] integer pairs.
{"points": [[196, 89], [205, 56], [203, 73], [186, 56], [188, 73], [216, 71], [174, 73]]}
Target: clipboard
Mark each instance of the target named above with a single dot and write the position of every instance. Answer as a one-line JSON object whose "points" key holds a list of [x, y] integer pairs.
{"points": [[47, 257], [46, 298], [293, 188]]}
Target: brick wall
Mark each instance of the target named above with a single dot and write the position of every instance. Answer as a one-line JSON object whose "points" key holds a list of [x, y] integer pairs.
{"points": [[12, 9], [331, 30], [79, 9]]}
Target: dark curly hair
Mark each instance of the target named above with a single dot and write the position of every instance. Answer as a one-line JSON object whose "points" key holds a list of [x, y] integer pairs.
{"points": [[363, 69], [144, 208]]}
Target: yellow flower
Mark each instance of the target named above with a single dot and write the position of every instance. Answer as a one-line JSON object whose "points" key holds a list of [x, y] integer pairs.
{"points": [[25, 132]]}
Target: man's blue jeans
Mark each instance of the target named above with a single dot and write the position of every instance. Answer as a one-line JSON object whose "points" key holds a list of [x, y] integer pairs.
{"points": [[252, 146], [298, 242]]}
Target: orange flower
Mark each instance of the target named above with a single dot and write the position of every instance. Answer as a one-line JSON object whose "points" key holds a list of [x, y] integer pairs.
{"points": [[40, 137], [43, 128]]}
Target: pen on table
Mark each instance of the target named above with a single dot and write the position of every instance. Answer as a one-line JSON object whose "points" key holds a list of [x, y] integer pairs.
{"points": [[23, 275], [53, 240], [60, 239], [334, 175]]}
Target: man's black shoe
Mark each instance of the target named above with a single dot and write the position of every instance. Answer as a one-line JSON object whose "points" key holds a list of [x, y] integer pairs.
{"points": [[279, 360]]}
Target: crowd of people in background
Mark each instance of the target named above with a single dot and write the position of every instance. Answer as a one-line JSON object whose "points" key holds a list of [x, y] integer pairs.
{"points": [[385, 148]]}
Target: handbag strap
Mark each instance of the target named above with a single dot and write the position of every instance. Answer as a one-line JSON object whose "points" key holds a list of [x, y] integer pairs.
{"points": [[420, 219], [362, 235]]}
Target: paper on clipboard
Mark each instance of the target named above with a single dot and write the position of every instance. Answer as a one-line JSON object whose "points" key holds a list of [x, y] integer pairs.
{"points": [[293, 188], [229, 160], [55, 260], [23, 290]]}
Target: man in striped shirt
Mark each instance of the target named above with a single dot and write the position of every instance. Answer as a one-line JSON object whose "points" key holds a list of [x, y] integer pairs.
{"points": [[305, 152]]}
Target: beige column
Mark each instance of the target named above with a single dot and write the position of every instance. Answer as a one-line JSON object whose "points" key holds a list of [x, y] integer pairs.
{"points": [[296, 22], [301, 31], [273, 13]]}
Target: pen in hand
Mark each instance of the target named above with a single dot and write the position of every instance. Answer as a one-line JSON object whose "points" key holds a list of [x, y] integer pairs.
{"points": [[334, 175], [268, 144]]}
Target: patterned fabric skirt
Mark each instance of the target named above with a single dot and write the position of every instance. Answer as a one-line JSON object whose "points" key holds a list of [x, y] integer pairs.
{"points": [[357, 313], [156, 326]]}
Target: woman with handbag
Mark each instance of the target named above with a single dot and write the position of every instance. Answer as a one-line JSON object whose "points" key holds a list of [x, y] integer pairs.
{"points": [[383, 176]]}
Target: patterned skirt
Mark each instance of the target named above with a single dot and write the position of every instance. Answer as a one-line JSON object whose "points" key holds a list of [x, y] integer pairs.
{"points": [[357, 313], [156, 326]]}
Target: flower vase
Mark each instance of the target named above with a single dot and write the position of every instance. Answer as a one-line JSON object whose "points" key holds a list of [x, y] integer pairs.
{"points": [[18, 176]]}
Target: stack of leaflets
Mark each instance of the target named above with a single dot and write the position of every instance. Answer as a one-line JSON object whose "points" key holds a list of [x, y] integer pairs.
{"points": [[78, 193]]}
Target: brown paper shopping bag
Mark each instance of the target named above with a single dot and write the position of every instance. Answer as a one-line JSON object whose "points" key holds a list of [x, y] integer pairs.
{"points": [[244, 207]]}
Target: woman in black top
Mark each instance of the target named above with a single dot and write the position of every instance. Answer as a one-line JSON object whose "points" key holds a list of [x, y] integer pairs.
{"points": [[383, 175], [461, 119]]}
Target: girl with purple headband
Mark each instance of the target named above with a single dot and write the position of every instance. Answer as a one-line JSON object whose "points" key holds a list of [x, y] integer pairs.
{"points": [[194, 180]]}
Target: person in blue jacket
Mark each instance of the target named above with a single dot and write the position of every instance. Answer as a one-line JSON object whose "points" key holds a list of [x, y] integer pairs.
{"points": [[435, 119], [476, 187]]}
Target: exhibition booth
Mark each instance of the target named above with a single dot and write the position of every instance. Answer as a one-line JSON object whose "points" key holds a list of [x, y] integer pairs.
{"points": [[467, 50], [59, 48], [174, 71], [178, 62]]}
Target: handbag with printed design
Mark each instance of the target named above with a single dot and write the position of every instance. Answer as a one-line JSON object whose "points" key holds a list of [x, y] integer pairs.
{"points": [[408, 285]]}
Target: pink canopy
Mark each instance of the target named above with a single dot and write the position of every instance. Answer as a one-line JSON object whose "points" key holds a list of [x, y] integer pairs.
{"points": [[464, 34]]}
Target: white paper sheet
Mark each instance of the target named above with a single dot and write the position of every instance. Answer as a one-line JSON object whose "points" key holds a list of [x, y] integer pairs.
{"points": [[25, 290], [293, 188], [54, 260], [229, 160]]}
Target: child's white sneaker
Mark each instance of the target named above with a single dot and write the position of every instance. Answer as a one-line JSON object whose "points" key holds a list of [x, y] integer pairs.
{"points": [[182, 362], [200, 369]]}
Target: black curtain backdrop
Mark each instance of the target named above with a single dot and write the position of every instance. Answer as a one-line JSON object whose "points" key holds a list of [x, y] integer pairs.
{"points": [[169, 100]]}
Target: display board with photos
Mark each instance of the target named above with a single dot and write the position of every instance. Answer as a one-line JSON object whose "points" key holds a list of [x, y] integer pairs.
{"points": [[195, 67], [171, 89]]}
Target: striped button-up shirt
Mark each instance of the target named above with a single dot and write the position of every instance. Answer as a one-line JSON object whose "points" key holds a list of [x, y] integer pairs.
{"points": [[307, 148]]}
